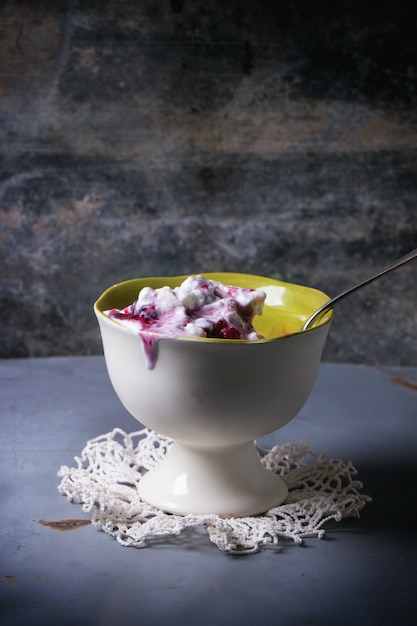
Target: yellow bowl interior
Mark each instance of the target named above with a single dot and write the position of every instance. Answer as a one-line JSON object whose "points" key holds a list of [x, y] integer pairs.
{"points": [[287, 306]]}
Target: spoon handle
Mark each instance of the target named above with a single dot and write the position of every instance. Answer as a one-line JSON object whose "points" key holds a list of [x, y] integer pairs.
{"points": [[330, 304]]}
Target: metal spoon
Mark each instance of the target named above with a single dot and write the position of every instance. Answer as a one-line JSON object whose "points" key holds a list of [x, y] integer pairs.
{"points": [[330, 304]]}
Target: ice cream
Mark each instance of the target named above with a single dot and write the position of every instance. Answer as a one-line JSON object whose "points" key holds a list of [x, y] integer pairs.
{"points": [[198, 307]]}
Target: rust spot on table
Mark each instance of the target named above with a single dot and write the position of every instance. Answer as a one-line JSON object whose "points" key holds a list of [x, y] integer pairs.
{"points": [[65, 524], [405, 382]]}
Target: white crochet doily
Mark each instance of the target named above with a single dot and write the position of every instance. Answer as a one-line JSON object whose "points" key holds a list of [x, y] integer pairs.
{"points": [[110, 468]]}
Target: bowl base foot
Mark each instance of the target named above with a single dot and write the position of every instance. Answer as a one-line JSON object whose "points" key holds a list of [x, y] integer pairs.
{"points": [[226, 481]]}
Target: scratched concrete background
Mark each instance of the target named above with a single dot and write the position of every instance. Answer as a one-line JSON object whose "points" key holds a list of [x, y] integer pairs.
{"points": [[144, 138]]}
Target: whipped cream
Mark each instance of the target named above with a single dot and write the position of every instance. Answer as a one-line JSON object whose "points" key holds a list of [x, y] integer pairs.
{"points": [[198, 308]]}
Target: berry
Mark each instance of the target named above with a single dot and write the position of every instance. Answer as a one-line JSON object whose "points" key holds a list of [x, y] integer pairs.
{"points": [[223, 330], [230, 333], [148, 314]]}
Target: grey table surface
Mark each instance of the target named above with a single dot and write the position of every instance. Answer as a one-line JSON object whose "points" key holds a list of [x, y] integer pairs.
{"points": [[364, 571]]}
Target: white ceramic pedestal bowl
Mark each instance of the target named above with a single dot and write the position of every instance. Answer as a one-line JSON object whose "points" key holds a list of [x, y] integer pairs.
{"points": [[215, 397]]}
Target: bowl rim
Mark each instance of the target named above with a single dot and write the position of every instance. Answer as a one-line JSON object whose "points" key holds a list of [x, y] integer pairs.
{"points": [[225, 277]]}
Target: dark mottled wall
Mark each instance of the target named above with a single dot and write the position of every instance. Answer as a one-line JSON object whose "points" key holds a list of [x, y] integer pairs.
{"points": [[163, 137]]}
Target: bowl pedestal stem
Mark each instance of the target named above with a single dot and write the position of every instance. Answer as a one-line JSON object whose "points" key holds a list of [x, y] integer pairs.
{"points": [[227, 481]]}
